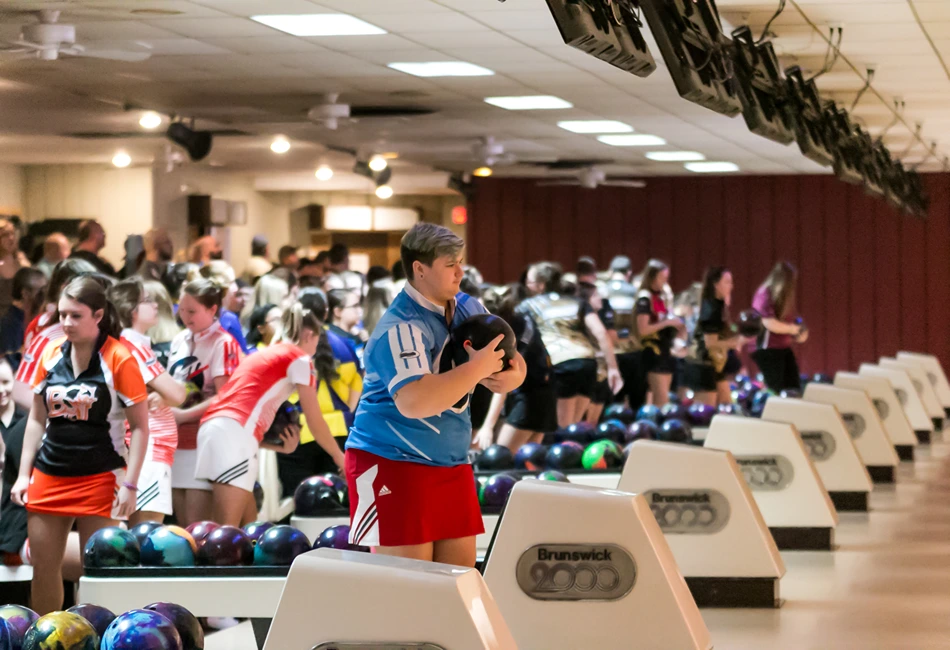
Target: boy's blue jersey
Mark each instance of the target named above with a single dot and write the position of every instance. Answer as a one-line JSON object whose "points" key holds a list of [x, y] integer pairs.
{"points": [[406, 345]]}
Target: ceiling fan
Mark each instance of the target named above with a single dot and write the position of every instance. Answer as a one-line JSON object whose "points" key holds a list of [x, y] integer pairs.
{"points": [[491, 153], [591, 178], [48, 39], [331, 113]]}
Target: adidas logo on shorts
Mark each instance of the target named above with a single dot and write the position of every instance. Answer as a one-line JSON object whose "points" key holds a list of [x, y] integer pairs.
{"points": [[383, 491]]}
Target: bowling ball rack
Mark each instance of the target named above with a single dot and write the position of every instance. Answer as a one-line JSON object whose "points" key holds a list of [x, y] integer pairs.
{"points": [[191, 572]]}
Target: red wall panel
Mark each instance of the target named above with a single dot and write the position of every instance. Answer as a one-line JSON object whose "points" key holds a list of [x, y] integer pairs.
{"points": [[861, 292]]}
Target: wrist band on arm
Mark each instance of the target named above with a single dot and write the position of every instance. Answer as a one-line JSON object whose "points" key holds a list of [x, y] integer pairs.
{"points": [[130, 486]]}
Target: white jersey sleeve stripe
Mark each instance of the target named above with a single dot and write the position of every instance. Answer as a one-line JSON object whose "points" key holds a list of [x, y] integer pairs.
{"points": [[408, 353]]}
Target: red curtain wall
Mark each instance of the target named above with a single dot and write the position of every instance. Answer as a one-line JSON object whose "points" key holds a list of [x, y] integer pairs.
{"points": [[871, 281]]}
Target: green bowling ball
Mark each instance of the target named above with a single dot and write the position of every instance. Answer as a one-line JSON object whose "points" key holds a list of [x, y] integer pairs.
{"points": [[603, 454]]}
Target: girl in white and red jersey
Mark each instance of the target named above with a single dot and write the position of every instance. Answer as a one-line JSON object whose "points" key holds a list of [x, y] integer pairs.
{"points": [[233, 428], [138, 311], [45, 328], [202, 357]]}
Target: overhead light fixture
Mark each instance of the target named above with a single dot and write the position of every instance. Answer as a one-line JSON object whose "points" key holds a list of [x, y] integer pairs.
{"points": [[150, 120], [711, 167], [595, 126], [378, 163], [280, 145], [442, 69], [324, 173], [675, 156], [121, 160], [529, 103], [384, 191], [633, 140], [196, 143], [319, 24], [483, 172]]}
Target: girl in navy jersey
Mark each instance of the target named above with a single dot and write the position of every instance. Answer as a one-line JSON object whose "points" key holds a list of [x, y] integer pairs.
{"points": [[657, 328]]}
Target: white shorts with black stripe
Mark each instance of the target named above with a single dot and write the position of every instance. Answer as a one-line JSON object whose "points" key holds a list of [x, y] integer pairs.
{"points": [[155, 488], [227, 454]]}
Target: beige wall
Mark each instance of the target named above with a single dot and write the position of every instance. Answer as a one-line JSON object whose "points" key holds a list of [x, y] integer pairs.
{"points": [[120, 199], [11, 189]]}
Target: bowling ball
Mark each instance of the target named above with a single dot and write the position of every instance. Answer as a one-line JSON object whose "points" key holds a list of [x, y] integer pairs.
{"points": [[189, 629], [791, 393], [649, 412], [700, 415], [200, 530], [675, 431], [342, 489], [749, 323], [552, 475], [279, 546], [822, 378], [258, 496], [687, 398], [496, 489], [579, 432], [673, 397], [732, 409], [479, 330], [801, 323], [169, 546], [99, 617], [61, 631], [142, 530], [620, 412], [614, 430], [642, 430], [673, 411], [603, 454], [495, 459], [193, 395], [18, 619], [742, 396], [110, 548], [530, 456], [287, 414], [479, 484], [741, 377], [142, 629], [226, 546], [338, 537], [256, 529], [758, 402], [315, 497], [564, 456], [9, 639]]}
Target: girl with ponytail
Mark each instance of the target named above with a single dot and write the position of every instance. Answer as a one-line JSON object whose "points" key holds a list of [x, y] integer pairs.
{"points": [[75, 466], [233, 428]]}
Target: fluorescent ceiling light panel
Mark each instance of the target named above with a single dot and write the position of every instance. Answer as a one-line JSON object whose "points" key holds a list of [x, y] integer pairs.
{"points": [[529, 103], [634, 140], [442, 69], [675, 156], [595, 126], [711, 167], [319, 24]]}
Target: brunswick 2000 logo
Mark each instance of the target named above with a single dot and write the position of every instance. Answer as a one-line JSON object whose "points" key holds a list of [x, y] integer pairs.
{"points": [[689, 512], [576, 572], [766, 473]]}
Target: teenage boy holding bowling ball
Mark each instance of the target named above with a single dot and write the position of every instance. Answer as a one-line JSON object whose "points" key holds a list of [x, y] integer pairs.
{"points": [[412, 491]]}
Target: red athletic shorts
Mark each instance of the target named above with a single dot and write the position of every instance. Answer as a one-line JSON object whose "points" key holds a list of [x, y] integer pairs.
{"points": [[74, 496], [395, 503]]}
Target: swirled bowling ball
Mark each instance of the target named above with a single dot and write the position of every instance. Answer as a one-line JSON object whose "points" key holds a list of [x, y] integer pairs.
{"points": [[496, 489], [675, 431], [552, 475], [200, 530], [620, 412], [480, 330], [564, 456], [316, 497], [673, 411], [337, 537], [226, 546], [700, 415], [19, 619], [579, 432], [649, 412], [61, 631], [256, 529], [279, 546], [169, 546], [342, 489], [110, 548], [614, 430], [189, 629], [603, 454], [496, 458], [749, 323], [642, 430], [9, 639], [99, 617], [142, 530], [758, 402], [141, 629], [530, 456]]}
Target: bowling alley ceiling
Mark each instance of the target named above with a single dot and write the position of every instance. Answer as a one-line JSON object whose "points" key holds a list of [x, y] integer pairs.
{"points": [[210, 61]]}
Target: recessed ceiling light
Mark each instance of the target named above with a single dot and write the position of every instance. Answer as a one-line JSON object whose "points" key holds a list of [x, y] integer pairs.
{"points": [[675, 156], [711, 167], [121, 160], [595, 126], [377, 163], [529, 103], [280, 145], [319, 25], [324, 173], [384, 191], [150, 120], [442, 69], [483, 172], [634, 140]]}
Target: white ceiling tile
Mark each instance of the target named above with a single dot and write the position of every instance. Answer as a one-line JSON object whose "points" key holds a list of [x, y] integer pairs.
{"points": [[481, 37], [516, 20], [111, 30], [216, 28], [261, 7], [407, 23], [263, 44], [182, 47], [372, 7], [356, 45]]}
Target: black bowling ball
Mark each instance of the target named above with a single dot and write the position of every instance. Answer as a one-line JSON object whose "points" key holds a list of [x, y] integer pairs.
{"points": [[495, 459], [479, 331]]}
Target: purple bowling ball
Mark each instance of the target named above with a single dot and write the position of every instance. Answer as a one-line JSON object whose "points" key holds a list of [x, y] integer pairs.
{"points": [[256, 529], [732, 409], [579, 432], [337, 537], [99, 617], [700, 415], [530, 456], [496, 489], [226, 546], [672, 411], [642, 430], [19, 619], [189, 629]]}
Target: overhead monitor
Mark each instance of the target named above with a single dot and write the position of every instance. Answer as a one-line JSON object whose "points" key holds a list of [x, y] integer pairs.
{"points": [[845, 145], [804, 106], [761, 86]]}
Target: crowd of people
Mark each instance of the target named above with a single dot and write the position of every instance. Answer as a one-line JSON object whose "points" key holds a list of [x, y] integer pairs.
{"points": [[147, 393]]}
